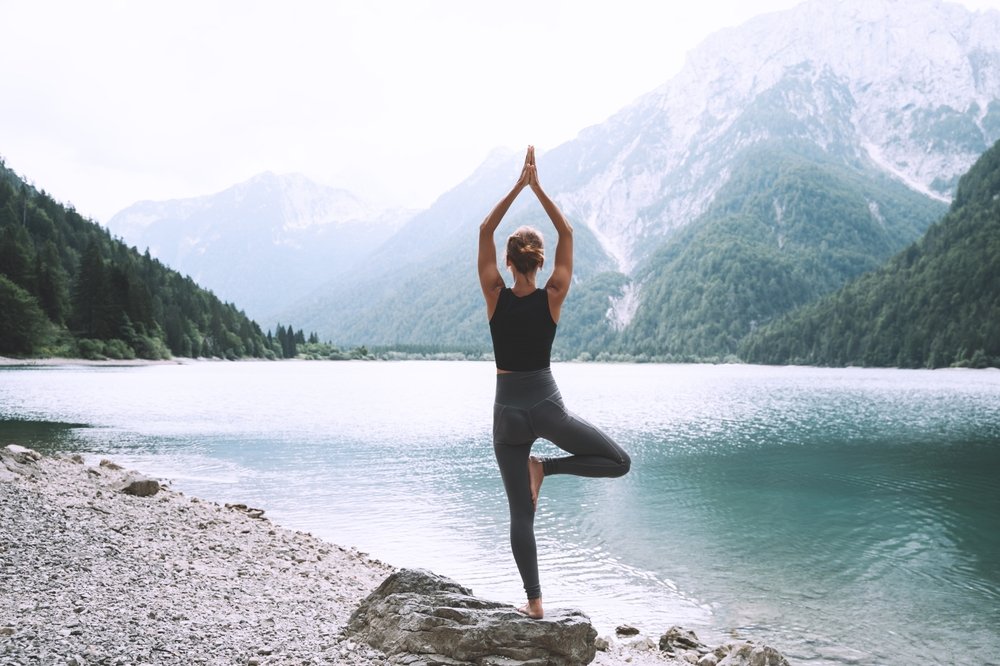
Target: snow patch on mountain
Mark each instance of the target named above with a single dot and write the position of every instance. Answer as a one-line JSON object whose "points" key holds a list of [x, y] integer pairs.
{"points": [[622, 308], [779, 216], [876, 213], [875, 154]]}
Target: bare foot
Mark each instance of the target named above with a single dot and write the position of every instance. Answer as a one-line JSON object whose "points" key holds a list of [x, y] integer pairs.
{"points": [[533, 609], [536, 473]]}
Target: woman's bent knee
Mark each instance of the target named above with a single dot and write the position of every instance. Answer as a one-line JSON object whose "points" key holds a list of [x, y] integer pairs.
{"points": [[624, 466]]}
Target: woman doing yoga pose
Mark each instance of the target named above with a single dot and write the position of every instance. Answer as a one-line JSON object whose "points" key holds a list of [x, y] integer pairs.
{"points": [[523, 322]]}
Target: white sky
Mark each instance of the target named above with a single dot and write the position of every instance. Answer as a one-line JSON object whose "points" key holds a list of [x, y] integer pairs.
{"points": [[107, 102]]}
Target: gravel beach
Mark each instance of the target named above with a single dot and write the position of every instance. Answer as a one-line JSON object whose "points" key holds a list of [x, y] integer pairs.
{"points": [[92, 575]]}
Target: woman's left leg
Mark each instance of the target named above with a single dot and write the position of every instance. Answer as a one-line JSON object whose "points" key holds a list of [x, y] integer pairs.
{"points": [[594, 454]]}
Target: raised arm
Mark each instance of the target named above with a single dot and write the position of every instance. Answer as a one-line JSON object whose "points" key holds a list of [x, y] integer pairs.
{"points": [[490, 278], [562, 272]]}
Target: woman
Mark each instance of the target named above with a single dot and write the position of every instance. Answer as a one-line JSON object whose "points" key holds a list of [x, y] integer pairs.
{"points": [[523, 322]]}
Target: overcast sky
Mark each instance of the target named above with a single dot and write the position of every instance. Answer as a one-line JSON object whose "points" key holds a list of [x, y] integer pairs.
{"points": [[107, 102]]}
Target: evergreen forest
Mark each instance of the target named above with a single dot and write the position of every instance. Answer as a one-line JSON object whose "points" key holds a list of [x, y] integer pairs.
{"points": [[67, 288], [790, 226], [934, 304]]}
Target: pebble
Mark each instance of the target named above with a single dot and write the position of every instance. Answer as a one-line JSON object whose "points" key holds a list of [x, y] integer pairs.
{"points": [[626, 630]]}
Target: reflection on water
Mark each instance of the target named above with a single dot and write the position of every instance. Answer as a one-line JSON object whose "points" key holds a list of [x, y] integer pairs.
{"points": [[846, 516], [44, 436]]}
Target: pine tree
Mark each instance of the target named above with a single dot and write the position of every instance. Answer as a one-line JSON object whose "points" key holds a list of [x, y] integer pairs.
{"points": [[16, 261], [23, 326], [50, 282], [90, 295]]}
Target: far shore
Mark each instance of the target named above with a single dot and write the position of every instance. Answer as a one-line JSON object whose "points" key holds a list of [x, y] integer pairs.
{"points": [[7, 361], [52, 360], [109, 362]]}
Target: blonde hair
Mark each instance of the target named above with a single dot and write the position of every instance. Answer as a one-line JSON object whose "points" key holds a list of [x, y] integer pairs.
{"points": [[525, 250]]}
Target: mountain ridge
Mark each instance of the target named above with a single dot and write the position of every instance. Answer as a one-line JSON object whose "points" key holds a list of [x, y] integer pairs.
{"points": [[257, 241], [909, 91], [655, 167]]}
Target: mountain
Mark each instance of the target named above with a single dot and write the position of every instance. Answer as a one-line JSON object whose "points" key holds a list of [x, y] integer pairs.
{"points": [[870, 107], [68, 288], [785, 229], [937, 303], [910, 88], [261, 242]]}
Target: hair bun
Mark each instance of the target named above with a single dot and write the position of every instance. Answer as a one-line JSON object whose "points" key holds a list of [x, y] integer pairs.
{"points": [[525, 250]]}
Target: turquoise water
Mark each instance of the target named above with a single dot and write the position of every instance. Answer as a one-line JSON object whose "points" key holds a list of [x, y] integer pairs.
{"points": [[844, 516]]}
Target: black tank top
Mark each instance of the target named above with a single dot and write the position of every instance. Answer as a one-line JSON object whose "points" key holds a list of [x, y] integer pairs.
{"points": [[522, 330]]}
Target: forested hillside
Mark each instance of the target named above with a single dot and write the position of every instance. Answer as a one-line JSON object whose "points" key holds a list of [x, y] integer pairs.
{"points": [[935, 304], [67, 288], [790, 226]]}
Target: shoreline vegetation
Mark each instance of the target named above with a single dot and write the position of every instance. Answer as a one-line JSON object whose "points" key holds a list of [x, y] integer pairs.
{"points": [[396, 355], [102, 565]]}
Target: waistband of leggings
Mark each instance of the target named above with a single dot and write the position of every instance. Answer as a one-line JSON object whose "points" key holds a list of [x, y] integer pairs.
{"points": [[525, 389]]}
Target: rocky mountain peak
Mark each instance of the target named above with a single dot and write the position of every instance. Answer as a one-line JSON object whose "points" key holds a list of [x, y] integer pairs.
{"points": [[911, 89]]}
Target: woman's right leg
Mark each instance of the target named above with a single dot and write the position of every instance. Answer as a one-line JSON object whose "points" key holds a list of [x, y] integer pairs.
{"points": [[512, 440], [513, 463]]}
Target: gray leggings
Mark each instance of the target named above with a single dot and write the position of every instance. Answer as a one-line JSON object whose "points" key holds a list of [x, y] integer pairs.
{"points": [[528, 406]]}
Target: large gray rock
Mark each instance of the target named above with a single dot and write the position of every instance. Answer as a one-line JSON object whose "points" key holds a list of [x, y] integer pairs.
{"points": [[418, 617]]}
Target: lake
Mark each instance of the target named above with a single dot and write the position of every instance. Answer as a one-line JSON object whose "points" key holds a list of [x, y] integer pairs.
{"points": [[841, 515]]}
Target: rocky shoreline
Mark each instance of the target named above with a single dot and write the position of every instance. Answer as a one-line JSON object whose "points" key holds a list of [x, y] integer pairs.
{"points": [[58, 361], [101, 566]]}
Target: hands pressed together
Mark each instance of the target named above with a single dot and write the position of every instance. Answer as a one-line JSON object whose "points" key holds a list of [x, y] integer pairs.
{"points": [[529, 174], [529, 178]]}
